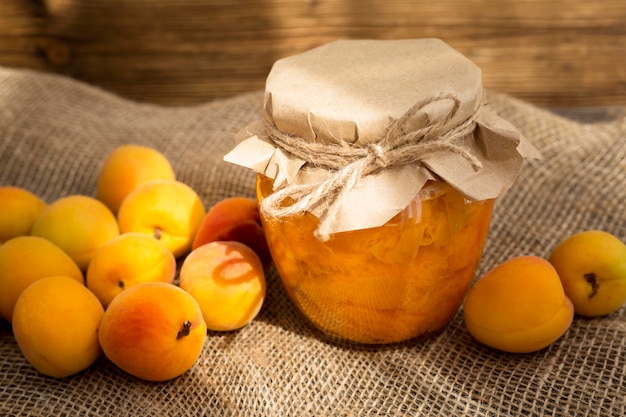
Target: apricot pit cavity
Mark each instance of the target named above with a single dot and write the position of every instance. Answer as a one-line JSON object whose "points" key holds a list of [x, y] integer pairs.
{"points": [[185, 330], [593, 282]]}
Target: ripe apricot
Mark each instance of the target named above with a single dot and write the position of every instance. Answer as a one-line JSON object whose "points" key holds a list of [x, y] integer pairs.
{"points": [[227, 280], [592, 268], [154, 331], [19, 208], [127, 167], [26, 259], [79, 225], [127, 260], [234, 219], [55, 323], [519, 306], [168, 210]]}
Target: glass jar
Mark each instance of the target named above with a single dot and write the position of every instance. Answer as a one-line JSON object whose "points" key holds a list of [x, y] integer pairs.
{"points": [[385, 284]]}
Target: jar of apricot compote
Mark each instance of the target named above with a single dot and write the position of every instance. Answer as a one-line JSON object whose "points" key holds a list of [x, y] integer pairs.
{"points": [[377, 168]]}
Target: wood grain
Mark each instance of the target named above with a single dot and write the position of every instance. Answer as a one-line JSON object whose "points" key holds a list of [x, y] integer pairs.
{"points": [[556, 53]]}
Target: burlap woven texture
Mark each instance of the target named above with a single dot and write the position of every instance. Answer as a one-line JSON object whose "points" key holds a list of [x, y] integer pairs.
{"points": [[54, 134]]}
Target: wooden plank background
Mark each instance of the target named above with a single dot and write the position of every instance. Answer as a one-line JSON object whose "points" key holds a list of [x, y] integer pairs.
{"points": [[556, 53]]}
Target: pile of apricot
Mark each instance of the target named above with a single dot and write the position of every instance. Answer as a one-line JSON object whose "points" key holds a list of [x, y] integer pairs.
{"points": [[526, 303], [85, 276]]}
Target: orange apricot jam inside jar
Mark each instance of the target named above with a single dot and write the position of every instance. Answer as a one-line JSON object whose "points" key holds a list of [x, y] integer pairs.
{"points": [[385, 284], [378, 162]]}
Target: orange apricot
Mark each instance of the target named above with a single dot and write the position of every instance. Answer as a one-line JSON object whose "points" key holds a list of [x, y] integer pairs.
{"points": [[234, 219], [26, 259], [154, 331], [592, 268], [227, 280], [19, 208], [126, 168], [127, 260], [55, 323], [168, 210], [79, 225], [519, 306]]}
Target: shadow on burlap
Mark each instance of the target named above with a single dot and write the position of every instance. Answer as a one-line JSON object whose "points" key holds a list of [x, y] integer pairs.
{"points": [[54, 134]]}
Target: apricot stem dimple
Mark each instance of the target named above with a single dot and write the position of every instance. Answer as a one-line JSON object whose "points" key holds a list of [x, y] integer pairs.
{"points": [[157, 233], [121, 284], [591, 279], [185, 330]]}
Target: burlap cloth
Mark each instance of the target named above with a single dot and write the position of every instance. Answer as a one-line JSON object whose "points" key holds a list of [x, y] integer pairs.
{"points": [[54, 134]]}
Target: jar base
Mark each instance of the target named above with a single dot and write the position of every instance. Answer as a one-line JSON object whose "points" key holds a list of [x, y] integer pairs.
{"points": [[346, 342]]}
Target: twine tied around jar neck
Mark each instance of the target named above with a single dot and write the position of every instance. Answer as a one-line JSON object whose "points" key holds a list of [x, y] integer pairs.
{"points": [[349, 164]]}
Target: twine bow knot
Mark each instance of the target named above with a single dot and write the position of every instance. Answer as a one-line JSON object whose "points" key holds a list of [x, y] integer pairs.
{"points": [[377, 155]]}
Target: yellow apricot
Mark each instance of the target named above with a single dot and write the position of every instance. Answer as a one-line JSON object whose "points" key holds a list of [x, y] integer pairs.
{"points": [[592, 268], [227, 280], [55, 323], [519, 306], [26, 259], [127, 260], [127, 167], [168, 210], [19, 208], [79, 225]]}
